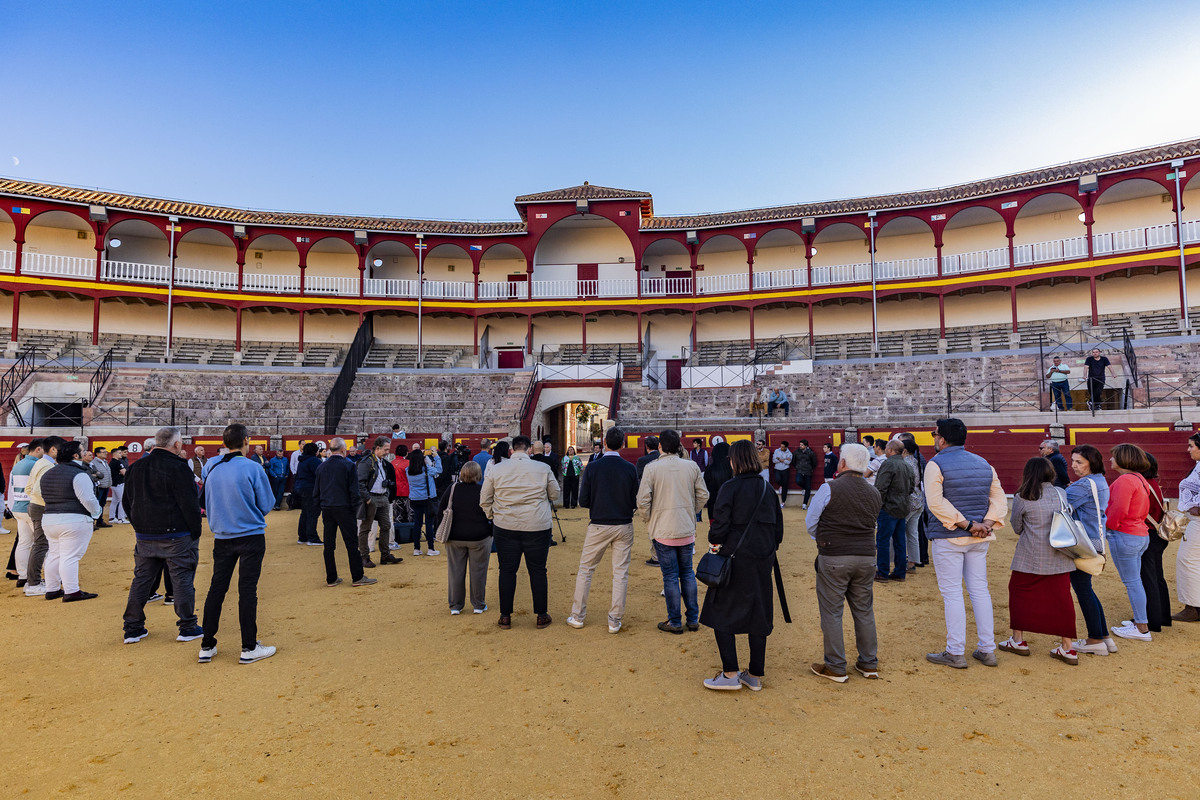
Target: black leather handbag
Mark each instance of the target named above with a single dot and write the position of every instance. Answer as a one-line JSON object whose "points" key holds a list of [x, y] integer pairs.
{"points": [[714, 569]]}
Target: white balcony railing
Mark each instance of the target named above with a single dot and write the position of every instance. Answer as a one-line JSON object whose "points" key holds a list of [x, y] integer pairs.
{"points": [[657, 287], [65, 266], [322, 284], [262, 282], [1049, 252], [842, 273], [1191, 231], [206, 278], [448, 290], [975, 261], [563, 287], [8, 260], [131, 272], [502, 290], [781, 279], [906, 268], [722, 284], [615, 287], [390, 287]]}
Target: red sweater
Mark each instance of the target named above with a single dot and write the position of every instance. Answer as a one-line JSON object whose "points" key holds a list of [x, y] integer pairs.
{"points": [[1128, 505]]}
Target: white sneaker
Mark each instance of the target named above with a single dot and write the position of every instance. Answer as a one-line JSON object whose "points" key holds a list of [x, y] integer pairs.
{"points": [[1110, 644], [433, 553], [804, 506], [394, 546], [35, 589], [454, 612], [206, 654], [614, 628], [1131, 632], [574, 623], [259, 652], [417, 552], [1097, 649], [481, 610]]}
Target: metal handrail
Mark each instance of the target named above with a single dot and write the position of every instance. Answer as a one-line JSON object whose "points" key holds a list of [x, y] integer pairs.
{"points": [[100, 377], [533, 379], [11, 380], [339, 394]]}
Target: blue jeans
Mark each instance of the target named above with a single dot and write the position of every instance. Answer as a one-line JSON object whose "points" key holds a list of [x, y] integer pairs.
{"points": [[891, 532], [1126, 551], [679, 579], [1060, 394]]}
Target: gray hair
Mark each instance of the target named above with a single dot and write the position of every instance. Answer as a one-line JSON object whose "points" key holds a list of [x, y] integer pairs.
{"points": [[148, 444], [1053, 445], [855, 457], [165, 437], [338, 445]]}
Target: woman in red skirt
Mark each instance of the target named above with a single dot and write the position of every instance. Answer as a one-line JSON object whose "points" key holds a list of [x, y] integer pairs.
{"points": [[1039, 591]]}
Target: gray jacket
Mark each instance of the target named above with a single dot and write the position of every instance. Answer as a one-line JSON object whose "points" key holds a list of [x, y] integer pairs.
{"points": [[101, 473], [1031, 520]]}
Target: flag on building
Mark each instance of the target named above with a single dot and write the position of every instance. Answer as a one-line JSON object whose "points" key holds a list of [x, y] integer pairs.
{"points": [[477, 247], [20, 210]]}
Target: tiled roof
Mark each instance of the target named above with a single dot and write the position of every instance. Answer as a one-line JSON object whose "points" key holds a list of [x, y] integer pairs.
{"points": [[586, 191], [963, 191], [241, 216]]}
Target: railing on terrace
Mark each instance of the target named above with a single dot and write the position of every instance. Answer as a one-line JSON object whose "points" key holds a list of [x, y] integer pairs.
{"points": [[131, 272], [781, 279], [21, 369], [261, 282], [1051, 251], [339, 393], [50, 264], [722, 284], [324, 284], [906, 268], [975, 261], [994, 396], [205, 278], [666, 286]]}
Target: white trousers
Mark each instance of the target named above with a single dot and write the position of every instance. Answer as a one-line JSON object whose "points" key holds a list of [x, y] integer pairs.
{"points": [[68, 536], [24, 543], [954, 566], [1187, 566], [115, 512]]}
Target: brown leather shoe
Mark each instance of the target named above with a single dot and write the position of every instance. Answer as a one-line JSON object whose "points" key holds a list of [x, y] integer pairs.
{"points": [[505, 622], [368, 564], [1188, 614], [390, 559], [543, 621]]}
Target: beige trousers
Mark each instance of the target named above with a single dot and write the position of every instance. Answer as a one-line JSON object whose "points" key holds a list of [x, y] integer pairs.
{"points": [[595, 542]]}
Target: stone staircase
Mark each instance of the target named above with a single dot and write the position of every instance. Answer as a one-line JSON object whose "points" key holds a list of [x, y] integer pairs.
{"points": [[432, 401]]}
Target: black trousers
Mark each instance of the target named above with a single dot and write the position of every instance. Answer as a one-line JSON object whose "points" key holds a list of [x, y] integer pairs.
{"points": [[510, 546], [570, 491], [805, 483], [310, 513], [1096, 391], [163, 575], [783, 478], [341, 519], [1158, 596], [727, 646], [249, 550], [12, 557]]}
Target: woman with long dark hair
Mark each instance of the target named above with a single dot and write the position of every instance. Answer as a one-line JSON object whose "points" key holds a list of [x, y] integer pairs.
{"points": [[1039, 589], [719, 470], [422, 498], [747, 523]]}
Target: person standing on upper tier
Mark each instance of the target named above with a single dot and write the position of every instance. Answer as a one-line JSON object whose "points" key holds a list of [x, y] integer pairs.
{"points": [[966, 503]]}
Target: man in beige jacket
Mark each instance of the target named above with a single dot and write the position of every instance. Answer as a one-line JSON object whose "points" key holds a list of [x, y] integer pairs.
{"points": [[518, 496], [670, 496]]}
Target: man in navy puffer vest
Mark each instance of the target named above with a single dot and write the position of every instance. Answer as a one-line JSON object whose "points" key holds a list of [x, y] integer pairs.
{"points": [[964, 504]]}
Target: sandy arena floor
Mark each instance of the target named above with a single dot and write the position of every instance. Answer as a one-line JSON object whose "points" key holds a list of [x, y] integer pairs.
{"points": [[378, 691]]}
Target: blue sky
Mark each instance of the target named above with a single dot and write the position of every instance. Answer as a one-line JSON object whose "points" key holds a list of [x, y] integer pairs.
{"points": [[448, 110]]}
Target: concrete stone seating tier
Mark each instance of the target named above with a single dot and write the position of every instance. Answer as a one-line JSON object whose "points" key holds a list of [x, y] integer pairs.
{"points": [[912, 391], [434, 401], [597, 353], [208, 400], [404, 356]]}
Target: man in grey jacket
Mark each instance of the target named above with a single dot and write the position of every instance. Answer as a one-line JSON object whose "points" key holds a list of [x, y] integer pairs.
{"points": [[375, 490]]}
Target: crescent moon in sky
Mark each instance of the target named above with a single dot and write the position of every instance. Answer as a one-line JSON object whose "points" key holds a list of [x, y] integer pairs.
{"points": [[16, 161]]}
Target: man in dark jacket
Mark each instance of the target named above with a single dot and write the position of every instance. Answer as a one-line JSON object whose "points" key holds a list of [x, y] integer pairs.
{"points": [[609, 492], [1049, 449], [376, 493], [894, 480], [841, 518], [335, 492], [805, 462], [160, 500]]}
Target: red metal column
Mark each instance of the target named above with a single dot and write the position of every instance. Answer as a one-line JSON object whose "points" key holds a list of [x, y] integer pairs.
{"points": [[529, 332], [237, 335], [583, 326], [475, 319], [942, 315], [810, 320], [99, 226], [16, 305], [19, 257], [639, 325], [1095, 308], [95, 321], [302, 321], [751, 327], [1013, 290], [693, 331]]}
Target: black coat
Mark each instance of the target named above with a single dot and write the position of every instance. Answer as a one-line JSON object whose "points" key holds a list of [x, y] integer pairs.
{"points": [[747, 603], [470, 523]]}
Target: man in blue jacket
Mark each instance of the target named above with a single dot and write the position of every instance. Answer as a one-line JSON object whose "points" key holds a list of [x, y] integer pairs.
{"points": [[609, 492], [238, 499]]}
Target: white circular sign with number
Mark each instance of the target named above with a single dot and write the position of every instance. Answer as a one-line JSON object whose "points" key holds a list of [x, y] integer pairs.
{"points": [[135, 447]]}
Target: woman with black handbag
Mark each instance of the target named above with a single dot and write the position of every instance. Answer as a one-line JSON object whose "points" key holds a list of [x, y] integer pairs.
{"points": [[747, 525]]}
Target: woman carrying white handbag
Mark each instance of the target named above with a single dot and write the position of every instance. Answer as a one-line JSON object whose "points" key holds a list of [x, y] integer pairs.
{"points": [[1187, 561], [1088, 497]]}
